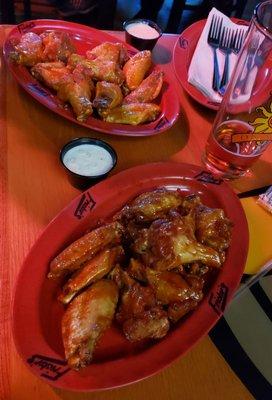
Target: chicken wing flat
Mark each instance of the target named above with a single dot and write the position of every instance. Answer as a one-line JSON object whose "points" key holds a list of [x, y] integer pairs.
{"points": [[108, 95], [170, 287], [83, 249], [172, 243], [86, 319], [151, 324], [132, 114], [95, 269], [153, 205], [52, 74], [115, 52], [148, 90], [136, 68]]}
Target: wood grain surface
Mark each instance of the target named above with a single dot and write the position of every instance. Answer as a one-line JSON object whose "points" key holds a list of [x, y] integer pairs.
{"points": [[34, 188]]}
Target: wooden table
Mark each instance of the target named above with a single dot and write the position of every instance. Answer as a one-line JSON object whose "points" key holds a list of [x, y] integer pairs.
{"points": [[34, 188]]}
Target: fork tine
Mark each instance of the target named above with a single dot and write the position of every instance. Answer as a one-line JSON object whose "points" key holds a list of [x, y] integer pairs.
{"points": [[211, 27]]}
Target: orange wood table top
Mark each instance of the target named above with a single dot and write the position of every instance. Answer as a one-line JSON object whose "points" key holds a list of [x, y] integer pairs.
{"points": [[34, 188]]}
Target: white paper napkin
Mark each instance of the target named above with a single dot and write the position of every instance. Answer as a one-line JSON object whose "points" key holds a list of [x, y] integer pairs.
{"points": [[200, 72]]}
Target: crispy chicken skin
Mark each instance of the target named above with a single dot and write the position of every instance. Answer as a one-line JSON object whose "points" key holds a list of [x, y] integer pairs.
{"points": [[152, 205], [172, 242], [83, 249], [136, 68], [94, 269], [108, 95], [86, 319], [151, 324], [132, 114], [148, 90]]}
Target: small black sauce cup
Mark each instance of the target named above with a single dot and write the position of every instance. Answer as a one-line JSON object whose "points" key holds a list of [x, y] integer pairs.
{"points": [[82, 182], [138, 42]]}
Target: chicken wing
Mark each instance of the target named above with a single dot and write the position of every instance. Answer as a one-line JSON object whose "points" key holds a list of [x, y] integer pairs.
{"points": [[99, 70], [52, 74], [153, 205], [151, 324], [115, 52], [29, 50], [148, 90], [170, 287], [56, 46], [92, 271], [213, 228], [137, 270], [172, 242], [86, 319], [78, 92], [177, 310], [83, 249], [136, 68], [108, 95], [132, 114]]}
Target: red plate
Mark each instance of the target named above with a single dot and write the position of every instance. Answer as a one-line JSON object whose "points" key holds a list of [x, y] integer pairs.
{"points": [[84, 39], [37, 313], [183, 53]]}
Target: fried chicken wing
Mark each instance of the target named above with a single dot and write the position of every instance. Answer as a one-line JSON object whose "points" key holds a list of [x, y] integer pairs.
{"points": [[213, 228], [52, 74], [95, 269], [78, 92], [136, 68], [170, 287], [29, 50], [108, 95], [148, 90], [153, 205], [115, 52], [132, 114], [56, 46], [86, 319], [137, 270], [83, 249], [172, 242], [98, 69], [151, 324]]}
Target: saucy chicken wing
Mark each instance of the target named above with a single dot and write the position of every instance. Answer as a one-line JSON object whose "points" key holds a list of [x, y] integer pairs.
{"points": [[177, 310], [172, 242], [108, 95], [132, 114], [72, 258], [115, 52], [148, 90], [86, 319], [136, 68], [151, 324], [52, 74], [29, 50], [94, 269]]}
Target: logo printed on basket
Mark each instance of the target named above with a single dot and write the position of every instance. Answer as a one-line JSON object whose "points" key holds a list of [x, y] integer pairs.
{"points": [[183, 43], [85, 203], [218, 300], [50, 368], [161, 123], [207, 177], [25, 27]]}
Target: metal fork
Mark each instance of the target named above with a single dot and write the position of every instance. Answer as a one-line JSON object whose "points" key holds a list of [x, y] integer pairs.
{"points": [[231, 41], [214, 35]]}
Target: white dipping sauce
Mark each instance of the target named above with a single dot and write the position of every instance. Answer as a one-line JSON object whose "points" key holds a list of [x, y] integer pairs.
{"points": [[88, 160], [142, 30]]}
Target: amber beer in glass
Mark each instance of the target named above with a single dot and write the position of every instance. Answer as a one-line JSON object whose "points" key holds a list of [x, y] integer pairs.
{"points": [[243, 126]]}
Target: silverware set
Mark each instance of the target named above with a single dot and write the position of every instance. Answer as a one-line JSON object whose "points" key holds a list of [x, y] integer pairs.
{"points": [[227, 41]]}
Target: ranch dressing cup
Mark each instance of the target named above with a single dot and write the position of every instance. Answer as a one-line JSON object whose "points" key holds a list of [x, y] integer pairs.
{"points": [[142, 33], [87, 161]]}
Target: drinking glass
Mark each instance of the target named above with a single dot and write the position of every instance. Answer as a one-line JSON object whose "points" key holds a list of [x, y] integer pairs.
{"points": [[242, 129]]}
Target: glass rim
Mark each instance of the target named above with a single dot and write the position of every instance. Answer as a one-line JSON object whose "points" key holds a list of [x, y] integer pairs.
{"points": [[256, 17]]}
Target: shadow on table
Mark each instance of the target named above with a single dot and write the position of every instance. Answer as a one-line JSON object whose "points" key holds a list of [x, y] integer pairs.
{"points": [[43, 142], [161, 54]]}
